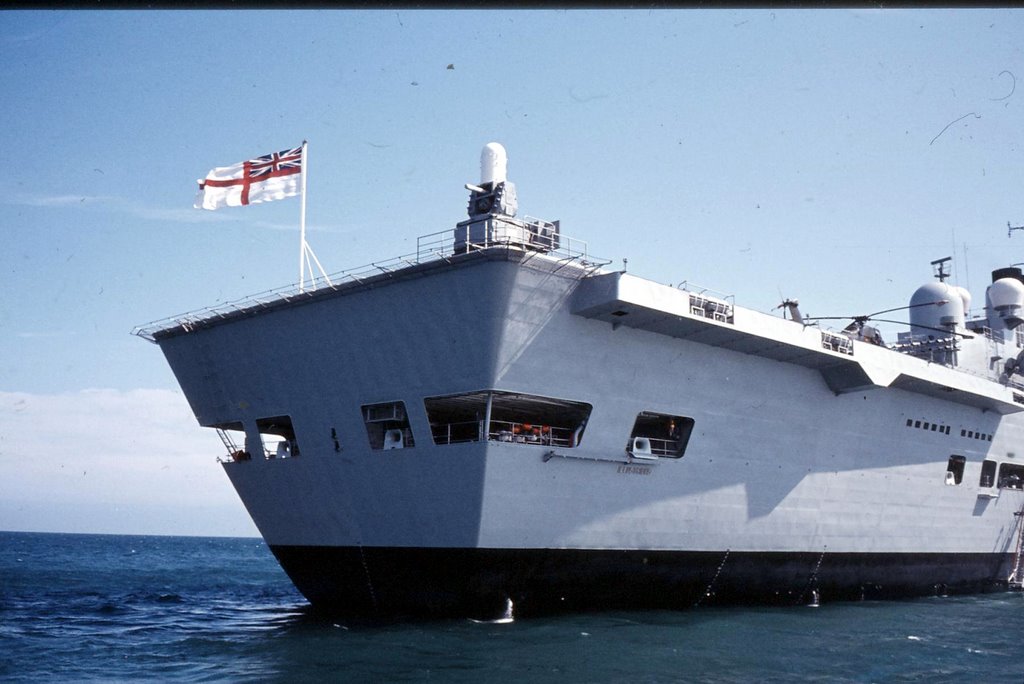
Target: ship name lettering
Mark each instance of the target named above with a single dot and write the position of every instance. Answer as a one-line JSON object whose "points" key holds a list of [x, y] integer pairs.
{"points": [[634, 470]]}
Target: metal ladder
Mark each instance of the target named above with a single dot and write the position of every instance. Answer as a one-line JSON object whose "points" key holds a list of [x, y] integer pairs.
{"points": [[226, 440], [1015, 581]]}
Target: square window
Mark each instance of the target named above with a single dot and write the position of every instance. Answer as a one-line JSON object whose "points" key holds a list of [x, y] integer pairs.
{"points": [[278, 437], [659, 434], [387, 426]]}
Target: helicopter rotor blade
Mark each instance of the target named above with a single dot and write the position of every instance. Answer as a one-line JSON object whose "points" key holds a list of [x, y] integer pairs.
{"points": [[872, 316], [928, 327], [938, 302]]}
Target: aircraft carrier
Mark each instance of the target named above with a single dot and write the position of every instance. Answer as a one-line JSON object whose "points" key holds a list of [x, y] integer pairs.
{"points": [[503, 418]]}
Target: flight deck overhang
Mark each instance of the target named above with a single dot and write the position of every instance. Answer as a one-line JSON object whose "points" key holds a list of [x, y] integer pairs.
{"points": [[846, 365], [536, 247]]}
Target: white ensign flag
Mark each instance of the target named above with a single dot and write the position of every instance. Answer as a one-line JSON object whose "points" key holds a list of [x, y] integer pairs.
{"points": [[264, 179]]}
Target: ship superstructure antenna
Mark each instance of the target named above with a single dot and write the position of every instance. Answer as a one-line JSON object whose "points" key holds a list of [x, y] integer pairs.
{"points": [[939, 265], [306, 256], [1010, 229]]}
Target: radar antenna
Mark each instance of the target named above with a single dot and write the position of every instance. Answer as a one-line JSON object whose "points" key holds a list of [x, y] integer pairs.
{"points": [[939, 266], [1010, 229]]}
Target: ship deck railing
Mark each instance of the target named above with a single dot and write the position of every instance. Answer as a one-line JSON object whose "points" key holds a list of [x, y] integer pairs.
{"points": [[503, 431], [535, 235], [431, 248], [706, 292], [529, 433], [658, 446], [457, 432]]}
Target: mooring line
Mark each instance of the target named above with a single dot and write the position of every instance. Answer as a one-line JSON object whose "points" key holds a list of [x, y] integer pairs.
{"points": [[366, 569], [707, 592], [362, 551], [812, 582]]}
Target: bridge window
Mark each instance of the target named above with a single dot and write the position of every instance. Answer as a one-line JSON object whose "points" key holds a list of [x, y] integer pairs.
{"points": [[387, 426], [659, 435]]}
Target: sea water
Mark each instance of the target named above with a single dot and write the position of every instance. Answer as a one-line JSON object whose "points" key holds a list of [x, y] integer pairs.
{"points": [[122, 608]]}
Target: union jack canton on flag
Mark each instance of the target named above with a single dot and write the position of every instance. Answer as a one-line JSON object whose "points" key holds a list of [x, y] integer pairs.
{"points": [[271, 177]]}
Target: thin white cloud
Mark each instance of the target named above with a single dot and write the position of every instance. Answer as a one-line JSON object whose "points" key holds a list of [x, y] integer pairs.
{"points": [[310, 227], [118, 204], [173, 214], [57, 200], [183, 214], [43, 335]]}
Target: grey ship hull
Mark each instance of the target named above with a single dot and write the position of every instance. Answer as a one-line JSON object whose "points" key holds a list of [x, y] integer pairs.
{"points": [[804, 470]]}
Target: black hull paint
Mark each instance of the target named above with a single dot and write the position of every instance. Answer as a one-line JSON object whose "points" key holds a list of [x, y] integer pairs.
{"points": [[385, 582]]}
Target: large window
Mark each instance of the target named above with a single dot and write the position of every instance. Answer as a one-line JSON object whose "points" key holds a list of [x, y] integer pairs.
{"points": [[387, 426], [514, 417], [659, 435]]}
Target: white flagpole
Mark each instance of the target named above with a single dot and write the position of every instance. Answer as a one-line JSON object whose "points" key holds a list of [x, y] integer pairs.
{"points": [[302, 222]]}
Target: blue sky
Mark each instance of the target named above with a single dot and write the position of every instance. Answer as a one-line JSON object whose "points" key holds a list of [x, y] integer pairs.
{"points": [[822, 155]]}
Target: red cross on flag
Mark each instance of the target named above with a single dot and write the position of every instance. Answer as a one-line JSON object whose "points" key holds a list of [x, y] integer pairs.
{"points": [[271, 177]]}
